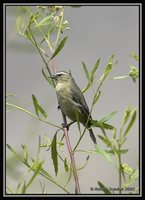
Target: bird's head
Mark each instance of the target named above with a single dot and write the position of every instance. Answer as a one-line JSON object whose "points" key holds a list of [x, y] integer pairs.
{"points": [[61, 77]]}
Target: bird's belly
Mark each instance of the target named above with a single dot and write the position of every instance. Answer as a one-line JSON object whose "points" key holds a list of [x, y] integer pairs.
{"points": [[68, 108]]}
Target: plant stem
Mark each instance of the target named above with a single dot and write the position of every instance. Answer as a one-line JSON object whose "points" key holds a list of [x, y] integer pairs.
{"points": [[120, 170], [71, 153], [49, 45], [59, 30], [31, 114]]}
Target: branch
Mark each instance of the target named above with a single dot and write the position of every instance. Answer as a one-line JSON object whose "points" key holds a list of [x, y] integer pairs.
{"points": [[71, 153]]}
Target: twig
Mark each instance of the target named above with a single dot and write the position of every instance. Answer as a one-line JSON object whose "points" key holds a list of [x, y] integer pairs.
{"points": [[71, 153], [31, 114]]}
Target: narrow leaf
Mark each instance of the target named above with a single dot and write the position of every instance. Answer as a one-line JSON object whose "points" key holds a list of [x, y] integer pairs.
{"points": [[126, 115], [54, 154], [38, 107], [97, 96], [86, 71], [14, 152], [107, 126], [104, 188], [101, 152], [46, 77], [45, 21], [36, 172], [106, 118], [94, 69], [120, 77], [105, 140], [108, 68], [122, 151], [60, 46], [86, 88], [35, 104], [66, 165], [25, 155], [130, 123], [135, 56]]}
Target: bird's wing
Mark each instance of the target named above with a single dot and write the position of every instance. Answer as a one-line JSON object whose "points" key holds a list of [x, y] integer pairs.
{"points": [[80, 101], [83, 108]]}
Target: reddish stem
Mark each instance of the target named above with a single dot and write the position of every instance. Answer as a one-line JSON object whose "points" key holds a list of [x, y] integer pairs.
{"points": [[71, 153]]}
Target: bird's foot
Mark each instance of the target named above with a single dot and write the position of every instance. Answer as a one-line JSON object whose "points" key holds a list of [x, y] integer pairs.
{"points": [[67, 125], [64, 125]]}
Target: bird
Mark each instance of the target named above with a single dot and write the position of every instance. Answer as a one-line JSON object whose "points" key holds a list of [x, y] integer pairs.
{"points": [[71, 100]]}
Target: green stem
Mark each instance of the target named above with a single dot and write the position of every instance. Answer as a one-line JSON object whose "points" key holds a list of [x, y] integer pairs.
{"points": [[120, 169], [59, 30], [37, 46], [31, 114], [48, 42]]}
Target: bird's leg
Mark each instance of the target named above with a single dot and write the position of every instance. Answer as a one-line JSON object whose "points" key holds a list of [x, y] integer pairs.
{"points": [[67, 125]]}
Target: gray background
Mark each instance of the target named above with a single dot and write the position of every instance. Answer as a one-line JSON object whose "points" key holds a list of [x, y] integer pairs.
{"points": [[96, 32]]}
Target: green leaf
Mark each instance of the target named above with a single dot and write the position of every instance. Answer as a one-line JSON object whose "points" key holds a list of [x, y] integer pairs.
{"points": [[86, 71], [132, 178], [108, 68], [135, 56], [58, 49], [94, 69], [104, 188], [97, 96], [109, 116], [20, 25], [14, 152], [38, 107], [126, 115], [127, 169], [122, 151], [35, 104], [24, 188], [33, 18], [36, 167], [120, 77], [45, 21], [46, 77], [102, 125], [102, 152], [38, 150], [25, 154], [66, 165], [54, 154], [107, 126], [86, 88], [105, 140], [130, 123]]}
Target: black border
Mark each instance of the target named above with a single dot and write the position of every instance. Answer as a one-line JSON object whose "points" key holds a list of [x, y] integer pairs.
{"points": [[140, 51]]}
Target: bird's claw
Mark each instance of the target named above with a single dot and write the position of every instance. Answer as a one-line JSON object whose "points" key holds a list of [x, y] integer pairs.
{"points": [[65, 126]]}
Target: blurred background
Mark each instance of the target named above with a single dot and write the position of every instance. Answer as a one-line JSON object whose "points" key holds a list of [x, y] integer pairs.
{"points": [[95, 32]]}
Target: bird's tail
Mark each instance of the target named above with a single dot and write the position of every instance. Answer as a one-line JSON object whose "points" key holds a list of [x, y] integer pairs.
{"points": [[92, 136]]}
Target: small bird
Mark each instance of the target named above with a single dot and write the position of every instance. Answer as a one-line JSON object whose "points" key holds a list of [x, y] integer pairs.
{"points": [[71, 100]]}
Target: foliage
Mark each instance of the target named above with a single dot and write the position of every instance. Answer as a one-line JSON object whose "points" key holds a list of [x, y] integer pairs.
{"points": [[44, 26]]}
